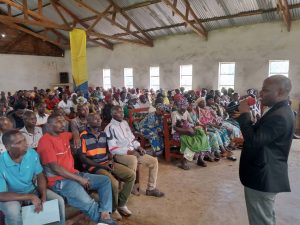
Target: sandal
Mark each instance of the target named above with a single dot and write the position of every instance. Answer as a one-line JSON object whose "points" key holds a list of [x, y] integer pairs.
{"points": [[184, 166], [232, 158], [200, 162]]}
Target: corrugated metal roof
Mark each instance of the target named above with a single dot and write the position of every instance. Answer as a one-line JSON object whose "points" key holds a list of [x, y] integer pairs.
{"points": [[160, 15]]}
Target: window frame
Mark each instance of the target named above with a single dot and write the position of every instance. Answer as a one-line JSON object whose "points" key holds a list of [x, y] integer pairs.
{"points": [[186, 87], [106, 86], [126, 68], [220, 86], [281, 73], [152, 86]]}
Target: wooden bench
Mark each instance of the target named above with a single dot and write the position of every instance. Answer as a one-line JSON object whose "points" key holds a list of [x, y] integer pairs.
{"points": [[135, 116], [168, 141]]}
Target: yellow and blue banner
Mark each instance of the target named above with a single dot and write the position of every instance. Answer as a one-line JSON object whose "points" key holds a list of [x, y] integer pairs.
{"points": [[78, 60]]}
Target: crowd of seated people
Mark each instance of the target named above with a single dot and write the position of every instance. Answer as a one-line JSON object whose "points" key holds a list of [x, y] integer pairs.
{"points": [[75, 143]]}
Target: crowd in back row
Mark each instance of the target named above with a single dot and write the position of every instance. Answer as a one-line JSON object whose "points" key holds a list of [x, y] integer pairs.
{"points": [[72, 143]]}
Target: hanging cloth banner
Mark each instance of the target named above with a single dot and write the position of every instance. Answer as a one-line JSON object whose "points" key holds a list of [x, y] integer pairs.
{"points": [[78, 60]]}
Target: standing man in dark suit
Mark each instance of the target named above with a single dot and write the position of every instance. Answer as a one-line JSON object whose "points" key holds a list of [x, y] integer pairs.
{"points": [[263, 163]]}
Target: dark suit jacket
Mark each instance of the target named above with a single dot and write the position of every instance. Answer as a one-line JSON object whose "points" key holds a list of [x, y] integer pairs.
{"points": [[263, 163]]}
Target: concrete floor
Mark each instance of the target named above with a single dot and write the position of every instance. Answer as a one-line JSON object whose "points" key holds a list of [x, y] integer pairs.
{"points": [[210, 196]]}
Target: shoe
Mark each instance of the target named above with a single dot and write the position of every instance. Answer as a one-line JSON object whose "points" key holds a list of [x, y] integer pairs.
{"points": [[107, 222], [208, 158], [200, 162], [124, 211], [155, 192], [116, 215]]}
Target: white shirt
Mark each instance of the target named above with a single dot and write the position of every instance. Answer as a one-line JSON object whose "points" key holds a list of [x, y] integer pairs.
{"points": [[41, 120], [32, 139], [175, 115], [120, 138], [66, 106]]}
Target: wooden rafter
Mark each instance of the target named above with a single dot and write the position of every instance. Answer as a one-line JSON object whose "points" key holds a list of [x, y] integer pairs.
{"points": [[33, 22], [149, 39], [102, 37], [53, 3], [283, 7], [60, 36], [11, 22], [44, 38], [39, 19], [25, 9], [113, 21], [199, 29], [139, 5], [99, 17], [106, 43], [217, 18], [40, 7]]}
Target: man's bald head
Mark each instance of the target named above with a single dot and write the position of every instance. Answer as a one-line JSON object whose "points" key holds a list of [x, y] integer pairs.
{"points": [[275, 89], [5, 124], [281, 82]]}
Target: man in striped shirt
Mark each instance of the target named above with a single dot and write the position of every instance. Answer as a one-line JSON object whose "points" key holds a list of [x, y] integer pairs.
{"points": [[96, 159]]}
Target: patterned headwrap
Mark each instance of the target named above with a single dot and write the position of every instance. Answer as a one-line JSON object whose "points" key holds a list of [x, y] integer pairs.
{"points": [[182, 103]]}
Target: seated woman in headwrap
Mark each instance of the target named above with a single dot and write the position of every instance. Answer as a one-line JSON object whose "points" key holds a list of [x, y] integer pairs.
{"points": [[220, 116], [193, 140], [152, 128], [230, 124], [207, 118]]}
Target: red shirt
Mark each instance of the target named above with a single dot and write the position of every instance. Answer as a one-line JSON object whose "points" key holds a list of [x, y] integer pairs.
{"points": [[51, 103], [56, 149]]}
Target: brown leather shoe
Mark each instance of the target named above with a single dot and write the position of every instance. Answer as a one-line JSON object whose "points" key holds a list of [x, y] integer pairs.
{"points": [[155, 192]]}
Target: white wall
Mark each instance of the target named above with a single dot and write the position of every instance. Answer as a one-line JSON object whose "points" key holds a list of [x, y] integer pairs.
{"points": [[251, 47], [25, 71]]}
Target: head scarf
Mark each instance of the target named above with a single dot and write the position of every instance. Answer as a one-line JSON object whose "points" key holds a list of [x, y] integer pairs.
{"points": [[182, 103]]}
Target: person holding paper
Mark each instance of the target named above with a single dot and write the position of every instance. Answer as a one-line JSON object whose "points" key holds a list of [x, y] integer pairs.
{"points": [[19, 166]]}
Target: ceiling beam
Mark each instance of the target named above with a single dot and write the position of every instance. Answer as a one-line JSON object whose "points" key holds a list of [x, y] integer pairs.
{"points": [[241, 14], [106, 43], [198, 29], [44, 38], [33, 22], [25, 9], [124, 9], [132, 22], [99, 15], [283, 8], [59, 13], [101, 36], [29, 12], [114, 22], [139, 5], [39, 8]]}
